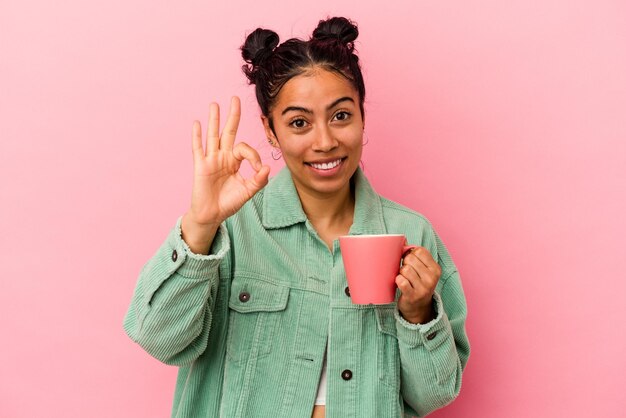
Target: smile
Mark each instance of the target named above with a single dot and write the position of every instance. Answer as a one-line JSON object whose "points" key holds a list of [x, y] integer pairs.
{"points": [[326, 166]]}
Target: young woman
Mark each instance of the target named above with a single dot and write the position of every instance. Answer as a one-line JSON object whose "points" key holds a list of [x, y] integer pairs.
{"points": [[248, 293]]}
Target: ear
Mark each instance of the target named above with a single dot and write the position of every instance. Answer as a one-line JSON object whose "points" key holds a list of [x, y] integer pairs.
{"points": [[271, 138]]}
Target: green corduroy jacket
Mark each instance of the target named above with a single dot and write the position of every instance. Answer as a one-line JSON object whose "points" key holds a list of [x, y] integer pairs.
{"points": [[249, 324]]}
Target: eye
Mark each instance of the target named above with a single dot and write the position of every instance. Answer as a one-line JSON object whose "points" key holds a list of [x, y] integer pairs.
{"points": [[342, 115], [298, 123]]}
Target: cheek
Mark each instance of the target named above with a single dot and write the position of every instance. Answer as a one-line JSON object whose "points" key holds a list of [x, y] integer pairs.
{"points": [[354, 139], [292, 148]]}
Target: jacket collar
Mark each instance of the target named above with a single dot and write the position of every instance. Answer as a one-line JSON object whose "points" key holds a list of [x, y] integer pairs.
{"points": [[282, 207]]}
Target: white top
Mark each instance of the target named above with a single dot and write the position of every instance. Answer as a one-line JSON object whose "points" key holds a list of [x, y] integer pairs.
{"points": [[321, 389]]}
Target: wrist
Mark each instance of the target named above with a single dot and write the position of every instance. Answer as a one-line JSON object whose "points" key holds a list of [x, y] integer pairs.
{"points": [[198, 237], [421, 315], [189, 219]]}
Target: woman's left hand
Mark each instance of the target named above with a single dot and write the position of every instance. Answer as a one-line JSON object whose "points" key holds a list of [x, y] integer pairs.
{"points": [[417, 280]]}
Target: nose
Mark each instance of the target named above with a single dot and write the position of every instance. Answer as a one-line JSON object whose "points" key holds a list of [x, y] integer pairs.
{"points": [[325, 140]]}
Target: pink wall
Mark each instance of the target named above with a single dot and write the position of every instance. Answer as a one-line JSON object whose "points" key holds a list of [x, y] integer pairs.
{"points": [[503, 122]]}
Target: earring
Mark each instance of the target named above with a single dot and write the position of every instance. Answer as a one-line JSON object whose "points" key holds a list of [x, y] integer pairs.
{"points": [[276, 154]]}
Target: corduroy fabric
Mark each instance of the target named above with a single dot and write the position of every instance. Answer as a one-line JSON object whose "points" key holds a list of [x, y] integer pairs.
{"points": [[248, 325]]}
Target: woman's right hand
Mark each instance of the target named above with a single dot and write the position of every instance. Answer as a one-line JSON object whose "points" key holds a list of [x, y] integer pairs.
{"points": [[219, 190]]}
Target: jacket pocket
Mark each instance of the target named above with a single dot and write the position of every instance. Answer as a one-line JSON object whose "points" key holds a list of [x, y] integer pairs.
{"points": [[254, 309], [388, 352]]}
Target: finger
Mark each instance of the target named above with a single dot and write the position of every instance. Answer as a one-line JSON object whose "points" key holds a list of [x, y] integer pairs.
{"points": [[423, 276], [243, 151], [213, 131], [196, 139], [427, 259], [259, 180], [232, 123], [263, 175], [404, 285], [409, 272], [412, 288], [414, 260]]}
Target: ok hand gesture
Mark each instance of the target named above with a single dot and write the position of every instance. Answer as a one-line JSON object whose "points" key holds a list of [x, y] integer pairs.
{"points": [[219, 190]]}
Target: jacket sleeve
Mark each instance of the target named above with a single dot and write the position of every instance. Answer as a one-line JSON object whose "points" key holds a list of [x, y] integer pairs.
{"points": [[170, 313], [433, 355]]}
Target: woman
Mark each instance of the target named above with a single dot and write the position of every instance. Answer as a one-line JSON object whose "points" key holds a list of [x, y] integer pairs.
{"points": [[248, 293]]}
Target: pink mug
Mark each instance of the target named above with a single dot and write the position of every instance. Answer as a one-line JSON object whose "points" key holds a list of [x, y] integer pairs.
{"points": [[372, 263]]}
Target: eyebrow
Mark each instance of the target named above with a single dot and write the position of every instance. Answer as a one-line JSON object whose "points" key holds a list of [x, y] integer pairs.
{"points": [[305, 110]]}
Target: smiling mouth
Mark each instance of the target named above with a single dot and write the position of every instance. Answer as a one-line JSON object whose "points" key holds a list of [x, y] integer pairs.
{"points": [[326, 166]]}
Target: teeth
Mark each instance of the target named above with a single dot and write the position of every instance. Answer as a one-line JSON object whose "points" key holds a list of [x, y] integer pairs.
{"points": [[326, 166]]}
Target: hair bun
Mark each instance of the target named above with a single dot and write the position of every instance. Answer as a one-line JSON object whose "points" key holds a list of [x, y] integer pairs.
{"points": [[259, 45], [338, 28]]}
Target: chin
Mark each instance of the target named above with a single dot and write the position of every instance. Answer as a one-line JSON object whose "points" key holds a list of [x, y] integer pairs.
{"points": [[329, 186]]}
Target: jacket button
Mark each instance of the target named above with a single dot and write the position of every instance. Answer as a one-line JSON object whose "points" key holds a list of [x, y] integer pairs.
{"points": [[244, 297], [174, 255], [346, 375], [432, 335], [347, 290]]}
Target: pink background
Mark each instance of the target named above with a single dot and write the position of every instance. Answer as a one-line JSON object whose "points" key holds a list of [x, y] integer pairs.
{"points": [[503, 122]]}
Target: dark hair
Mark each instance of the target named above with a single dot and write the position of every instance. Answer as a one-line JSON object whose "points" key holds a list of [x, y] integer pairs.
{"points": [[270, 65]]}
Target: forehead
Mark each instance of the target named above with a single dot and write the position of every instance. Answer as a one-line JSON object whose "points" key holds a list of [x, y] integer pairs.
{"points": [[315, 88]]}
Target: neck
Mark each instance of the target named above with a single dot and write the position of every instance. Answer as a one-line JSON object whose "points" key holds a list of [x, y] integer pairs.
{"points": [[329, 211]]}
